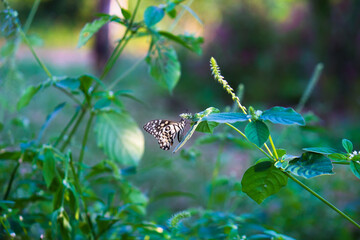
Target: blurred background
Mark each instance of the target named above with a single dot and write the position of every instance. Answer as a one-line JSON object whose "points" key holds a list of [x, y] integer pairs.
{"points": [[271, 47]]}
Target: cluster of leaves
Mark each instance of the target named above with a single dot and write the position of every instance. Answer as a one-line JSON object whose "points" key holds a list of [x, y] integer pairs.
{"points": [[57, 194]]}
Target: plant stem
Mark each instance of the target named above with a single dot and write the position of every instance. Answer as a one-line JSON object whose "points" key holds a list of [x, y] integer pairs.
{"points": [[73, 130], [322, 199], [179, 16], [273, 147], [341, 163], [12, 177], [66, 128], [31, 15], [314, 79], [79, 189], [69, 95], [242, 134], [42, 65], [117, 51], [127, 72], [83, 145]]}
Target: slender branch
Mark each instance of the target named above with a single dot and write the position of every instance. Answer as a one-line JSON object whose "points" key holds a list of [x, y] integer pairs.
{"points": [[322, 199], [179, 16], [31, 15], [111, 61], [83, 145], [69, 95], [73, 130], [12, 177], [62, 134], [127, 72], [242, 134], [42, 65]]}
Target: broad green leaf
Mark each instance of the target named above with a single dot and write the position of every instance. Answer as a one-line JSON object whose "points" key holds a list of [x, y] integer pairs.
{"points": [[9, 154], [120, 137], [49, 167], [27, 96], [91, 28], [206, 127], [227, 117], [355, 168], [347, 144], [153, 15], [69, 83], [176, 39], [310, 165], [164, 66], [322, 150], [126, 13], [337, 157], [263, 180], [281, 115], [257, 132], [170, 10]]}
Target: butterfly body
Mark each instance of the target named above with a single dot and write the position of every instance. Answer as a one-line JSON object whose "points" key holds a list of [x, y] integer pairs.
{"points": [[165, 131]]}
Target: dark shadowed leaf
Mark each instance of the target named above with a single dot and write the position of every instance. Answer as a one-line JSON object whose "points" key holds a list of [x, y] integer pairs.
{"points": [[263, 180]]}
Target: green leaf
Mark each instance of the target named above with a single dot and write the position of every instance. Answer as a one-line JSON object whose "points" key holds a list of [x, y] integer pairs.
{"points": [[164, 66], [322, 150], [257, 132], [153, 15], [207, 127], [310, 165], [91, 28], [337, 157], [227, 117], [133, 195], [49, 168], [281, 115], [120, 137], [263, 180], [175, 38], [102, 103], [188, 135], [27, 96], [355, 168], [69, 83], [126, 13], [347, 144], [194, 42]]}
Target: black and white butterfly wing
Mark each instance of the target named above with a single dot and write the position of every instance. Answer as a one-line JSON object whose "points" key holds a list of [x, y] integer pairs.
{"points": [[165, 131]]}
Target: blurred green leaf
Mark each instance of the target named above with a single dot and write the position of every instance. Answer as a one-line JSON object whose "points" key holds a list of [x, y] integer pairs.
{"points": [[207, 127], [67, 82], [27, 96], [337, 157], [9, 154], [7, 49], [120, 137], [257, 132], [263, 180], [126, 13], [135, 197], [102, 103], [227, 117], [35, 40], [347, 144], [281, 115], [310, 165], [194, 42], [170, 10], [91, 28], [153, 15], [49, 167], [355, 168], [322, 150], [164, 66]]}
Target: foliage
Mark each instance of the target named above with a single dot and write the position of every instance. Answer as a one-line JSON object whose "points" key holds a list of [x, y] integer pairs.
{"points": [[55, 189]]}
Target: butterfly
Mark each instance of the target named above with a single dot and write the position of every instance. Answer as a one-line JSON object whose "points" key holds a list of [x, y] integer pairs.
{"points": [[165, 131]]}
